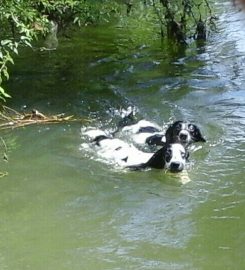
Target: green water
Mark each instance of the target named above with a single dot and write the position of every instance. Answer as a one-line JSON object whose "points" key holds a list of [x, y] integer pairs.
{"points": [[60, 208]]}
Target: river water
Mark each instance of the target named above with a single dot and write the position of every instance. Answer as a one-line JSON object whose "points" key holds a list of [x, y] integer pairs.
{"points": [[62, 209]]}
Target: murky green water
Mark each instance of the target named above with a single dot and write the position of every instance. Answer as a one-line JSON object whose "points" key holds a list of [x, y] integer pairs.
{"points": [[61, 209]]}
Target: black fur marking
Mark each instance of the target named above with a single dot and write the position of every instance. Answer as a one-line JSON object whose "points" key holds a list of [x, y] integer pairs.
{"points": [[155, 140], [127, 120], [148, 130], [125, 159], [99, 138]]}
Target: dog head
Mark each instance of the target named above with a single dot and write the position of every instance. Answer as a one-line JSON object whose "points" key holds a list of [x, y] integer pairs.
{"points": [[172, 157], [184, 133], [175, 157]]}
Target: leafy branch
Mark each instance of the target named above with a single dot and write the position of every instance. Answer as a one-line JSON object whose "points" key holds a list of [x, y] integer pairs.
{"points": [[23, 21]]}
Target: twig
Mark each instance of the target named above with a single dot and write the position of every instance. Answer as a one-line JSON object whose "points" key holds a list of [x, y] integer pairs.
{"points": [[35, 117]]}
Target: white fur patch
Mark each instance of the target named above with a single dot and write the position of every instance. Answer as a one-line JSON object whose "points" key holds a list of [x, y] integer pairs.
{"points": [[122, 153], [178, 155], [116, 150], [140, 138]]}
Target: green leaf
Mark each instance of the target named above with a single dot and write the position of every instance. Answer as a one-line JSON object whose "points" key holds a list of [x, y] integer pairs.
{"points": [[10, 59], [5, 73], [3, 93], [5, 42], [15, 50]]}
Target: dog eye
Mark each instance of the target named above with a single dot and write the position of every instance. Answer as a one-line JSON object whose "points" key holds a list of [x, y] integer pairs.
{"points": [[191, 127], [183, 155]]}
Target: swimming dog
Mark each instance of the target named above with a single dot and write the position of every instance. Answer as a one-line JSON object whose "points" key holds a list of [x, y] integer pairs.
{"points": [[183, 132], [172, 156], [145, 132]]}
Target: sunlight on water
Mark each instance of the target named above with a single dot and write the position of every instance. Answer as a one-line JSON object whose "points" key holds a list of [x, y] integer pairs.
{"points": [[234, 28]]}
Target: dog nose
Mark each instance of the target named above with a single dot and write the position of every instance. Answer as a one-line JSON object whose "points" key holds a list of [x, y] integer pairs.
{"points": [[176, 167], [183, 136]]}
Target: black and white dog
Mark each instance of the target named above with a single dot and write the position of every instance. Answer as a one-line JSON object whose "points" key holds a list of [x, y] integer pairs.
{"points": [[145, 132], [174, 143], [172, 156]]}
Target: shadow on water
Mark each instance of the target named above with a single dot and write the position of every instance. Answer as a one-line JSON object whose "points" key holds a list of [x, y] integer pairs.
{"points": [[63, 209]]}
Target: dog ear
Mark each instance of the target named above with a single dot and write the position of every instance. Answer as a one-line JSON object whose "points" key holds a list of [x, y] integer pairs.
{"points": [[172, 129], [169, 134], [157, 161], [201, 139], [198, 136]]}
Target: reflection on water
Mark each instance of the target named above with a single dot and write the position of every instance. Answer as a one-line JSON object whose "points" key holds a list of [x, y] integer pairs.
{"points": [[60, 209]]}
